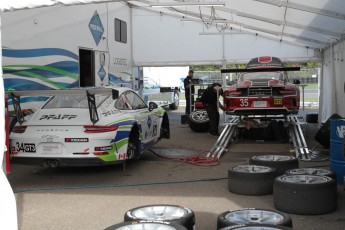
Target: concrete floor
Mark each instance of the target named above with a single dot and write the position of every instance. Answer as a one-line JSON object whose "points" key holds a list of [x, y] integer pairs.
{"points": [[96, 198]]}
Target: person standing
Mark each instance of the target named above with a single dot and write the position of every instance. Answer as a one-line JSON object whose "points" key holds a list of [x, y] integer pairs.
{"points": [[210, 101], [189, 91]]}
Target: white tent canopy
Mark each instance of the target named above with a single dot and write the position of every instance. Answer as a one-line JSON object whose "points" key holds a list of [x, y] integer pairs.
{"points": [[293, 30]]}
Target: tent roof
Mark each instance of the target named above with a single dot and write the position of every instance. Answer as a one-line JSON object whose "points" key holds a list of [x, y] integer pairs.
{"points": [[316, 24], [311, 24]]}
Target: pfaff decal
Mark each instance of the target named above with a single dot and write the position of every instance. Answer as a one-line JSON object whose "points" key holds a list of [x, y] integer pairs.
{"points": [[76, 139], [58, 117]]}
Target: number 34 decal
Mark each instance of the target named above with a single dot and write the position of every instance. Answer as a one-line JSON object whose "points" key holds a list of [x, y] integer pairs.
{"points": [[244, 102]]}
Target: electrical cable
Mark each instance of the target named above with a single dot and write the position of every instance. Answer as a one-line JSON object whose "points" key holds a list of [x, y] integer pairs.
{"points": [[118, 185], [193, 160]]}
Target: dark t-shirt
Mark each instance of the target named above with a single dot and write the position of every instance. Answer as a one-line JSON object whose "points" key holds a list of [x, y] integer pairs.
{"points": [[209, 96], [186, 82]]}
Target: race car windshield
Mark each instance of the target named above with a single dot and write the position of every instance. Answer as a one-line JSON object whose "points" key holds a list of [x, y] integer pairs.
{"points": [[262, 75], [72, 101]]}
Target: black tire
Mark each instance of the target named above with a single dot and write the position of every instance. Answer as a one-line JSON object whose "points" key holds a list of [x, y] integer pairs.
{"points": [[311, 118], [256, 227], [199, 121], [176, 103], [311, 171], [305, 194], [279, 162], [146, 225], [253, 216], [155, 212], [251, 180]]}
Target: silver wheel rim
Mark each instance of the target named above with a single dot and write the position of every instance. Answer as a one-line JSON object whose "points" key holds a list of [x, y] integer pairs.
{"points": [[254, 216], [274, 158], [305, 179], [151, 226], [159, 213], [200, 116], [252, 169], [310, 171]]}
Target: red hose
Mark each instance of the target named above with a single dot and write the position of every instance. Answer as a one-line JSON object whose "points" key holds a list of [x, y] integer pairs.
{"points": [[194, 160]]}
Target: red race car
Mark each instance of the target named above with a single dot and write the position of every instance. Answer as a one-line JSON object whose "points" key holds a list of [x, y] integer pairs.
{"points": [[262, 88]]}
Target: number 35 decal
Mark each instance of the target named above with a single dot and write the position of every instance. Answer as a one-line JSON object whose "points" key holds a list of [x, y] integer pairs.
{"points": [[244, 102]]}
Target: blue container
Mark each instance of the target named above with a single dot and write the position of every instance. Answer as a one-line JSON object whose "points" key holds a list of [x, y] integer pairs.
{"points": [[338, 149]]}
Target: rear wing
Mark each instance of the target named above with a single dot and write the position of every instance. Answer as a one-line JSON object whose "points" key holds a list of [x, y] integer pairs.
{"points": [[273, 69], [90, 93]]}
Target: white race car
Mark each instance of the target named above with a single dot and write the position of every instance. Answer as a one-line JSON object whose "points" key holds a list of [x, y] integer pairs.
{"points": [[85, 127]]}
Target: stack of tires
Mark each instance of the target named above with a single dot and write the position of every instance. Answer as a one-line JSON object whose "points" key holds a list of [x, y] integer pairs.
{"points": [[306, 191], [257, 178], [157, 216]]}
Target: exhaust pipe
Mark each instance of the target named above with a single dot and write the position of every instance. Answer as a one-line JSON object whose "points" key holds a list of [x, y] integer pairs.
{"points": [[54, 164], [46, 164]]}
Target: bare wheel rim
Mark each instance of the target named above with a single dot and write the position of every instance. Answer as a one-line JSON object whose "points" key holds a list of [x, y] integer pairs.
{"points": [[274, 158], [159, 213], [176, 100], [252, 169], [305, 179], [310, 171], [151, 226], [200, 116], [254, 216]]}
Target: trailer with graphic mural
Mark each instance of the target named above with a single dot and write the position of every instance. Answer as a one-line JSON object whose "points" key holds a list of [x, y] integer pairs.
{"points": [[63, 47]]}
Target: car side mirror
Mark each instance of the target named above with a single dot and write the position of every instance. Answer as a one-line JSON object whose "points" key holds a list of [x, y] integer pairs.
{"points": [[152, 106], [296, 82]]}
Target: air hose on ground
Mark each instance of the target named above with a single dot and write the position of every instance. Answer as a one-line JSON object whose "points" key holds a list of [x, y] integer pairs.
{"points": [[193, 160]]}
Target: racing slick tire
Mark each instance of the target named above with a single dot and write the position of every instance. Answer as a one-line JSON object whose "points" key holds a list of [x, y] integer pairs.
{"points": [[163, 212], [252, 216], [146, 225], [279, 162], [176, 103], [256, 227], [305, 194], [311, 171], [251, 180], [199, 121]]}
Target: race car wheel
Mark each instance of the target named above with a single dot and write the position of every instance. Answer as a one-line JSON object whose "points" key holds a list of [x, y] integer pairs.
{"points": [[152, 225], [311, 171], [305, 194], [252, 216], [256, 227], [162, 212], [279, 162], [251, 179], [199, 121], [176, 103]]}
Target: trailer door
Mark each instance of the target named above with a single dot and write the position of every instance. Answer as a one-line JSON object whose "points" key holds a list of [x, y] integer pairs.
{"points": [[86, 68]]}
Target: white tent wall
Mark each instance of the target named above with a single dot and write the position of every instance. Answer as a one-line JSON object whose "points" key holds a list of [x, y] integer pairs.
{"points": [[162, 40], [332, 98]]}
